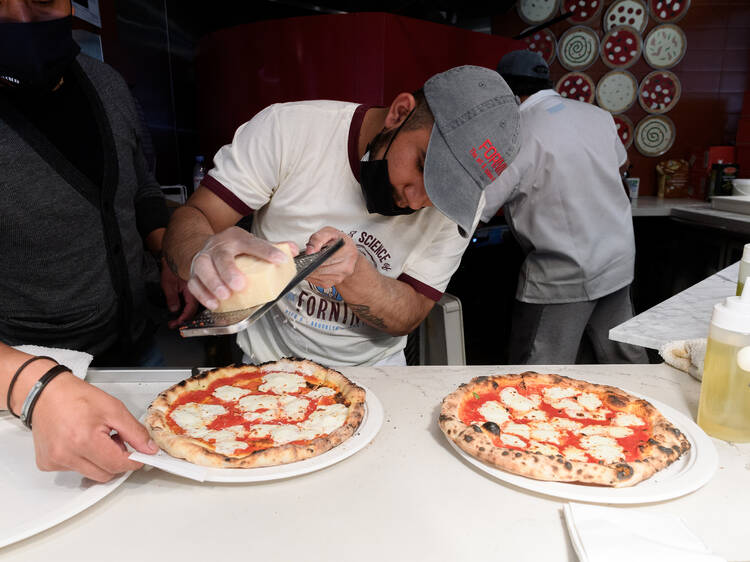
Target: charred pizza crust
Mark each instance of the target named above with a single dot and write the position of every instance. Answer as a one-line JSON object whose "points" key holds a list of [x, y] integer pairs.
{"points": [[200, 452], [665, 444]]}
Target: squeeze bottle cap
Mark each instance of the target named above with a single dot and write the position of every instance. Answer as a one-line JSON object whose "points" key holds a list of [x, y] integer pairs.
{"points": [[746, 253], [734, 313]]}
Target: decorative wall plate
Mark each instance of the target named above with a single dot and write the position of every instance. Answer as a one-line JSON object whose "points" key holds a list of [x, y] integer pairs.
{"points": [[665, 45], [621, 47], [537, 11], [659, 91], [543, 42], [624, 129], [583, 10], [616, 91], [654, 135], [668, 11], [626, 12], [578, 48], [576, 86]]}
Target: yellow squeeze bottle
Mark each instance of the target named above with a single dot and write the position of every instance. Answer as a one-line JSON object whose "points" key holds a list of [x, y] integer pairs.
{"points": [[724, 407]]}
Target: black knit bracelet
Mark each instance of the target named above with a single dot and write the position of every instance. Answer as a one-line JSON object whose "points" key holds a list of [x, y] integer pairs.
{"points": [[36, 391], [15, 377]]}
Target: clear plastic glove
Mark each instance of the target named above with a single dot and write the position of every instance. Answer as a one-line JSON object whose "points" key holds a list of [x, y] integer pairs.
{"points": [[213, 273], [340, 266], [72, 427]]}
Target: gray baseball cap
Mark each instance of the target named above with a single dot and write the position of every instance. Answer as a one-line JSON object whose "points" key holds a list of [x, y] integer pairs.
{"points": [[524, 63], [474, 139]]}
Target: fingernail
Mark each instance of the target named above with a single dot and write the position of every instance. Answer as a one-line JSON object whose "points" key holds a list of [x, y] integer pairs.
{"points": [[279, 257], [237, 283], [212, 304], [152, 446], [222, 293]]}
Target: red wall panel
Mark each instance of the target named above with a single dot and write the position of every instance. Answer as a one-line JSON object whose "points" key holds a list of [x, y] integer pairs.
{"points": [[363, 57]]}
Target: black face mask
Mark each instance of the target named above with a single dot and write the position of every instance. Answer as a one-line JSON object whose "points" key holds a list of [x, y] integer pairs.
{"points": [[376, 185], [35, 55]]}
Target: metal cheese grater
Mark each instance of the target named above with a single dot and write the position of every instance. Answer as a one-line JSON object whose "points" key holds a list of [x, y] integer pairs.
{"points": [[209, 323]]}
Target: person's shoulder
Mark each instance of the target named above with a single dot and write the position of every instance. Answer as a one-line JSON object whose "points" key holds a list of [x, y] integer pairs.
{"points": [[105, 78], [325, 107]]}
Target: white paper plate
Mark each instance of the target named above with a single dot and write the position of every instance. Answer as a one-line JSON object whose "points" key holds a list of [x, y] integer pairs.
{"points": [[32, 500], [691, 471], [368, 429]]}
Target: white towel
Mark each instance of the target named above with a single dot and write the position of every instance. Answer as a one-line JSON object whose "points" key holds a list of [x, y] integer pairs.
{"points": [[76, 361], [610, 534], [686, 355]]}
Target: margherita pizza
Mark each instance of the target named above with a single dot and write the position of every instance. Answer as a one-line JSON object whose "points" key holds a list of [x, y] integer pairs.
{"points": [[249, 416], [659, 91], [582, 10], [551, 427], [576, 86], [621, 47], [544, 43]]}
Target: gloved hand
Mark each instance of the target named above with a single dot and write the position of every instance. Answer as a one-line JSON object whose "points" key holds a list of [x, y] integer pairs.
{"points": [[213, 273]]}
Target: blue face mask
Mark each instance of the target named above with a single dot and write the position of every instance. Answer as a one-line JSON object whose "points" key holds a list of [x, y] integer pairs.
{"points": [[35, 55], [376, 185]]}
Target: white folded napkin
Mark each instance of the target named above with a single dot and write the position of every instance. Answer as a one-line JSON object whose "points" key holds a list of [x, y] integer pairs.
{"points": [[170, 464], [76, 361], [686, 355], [610, 534]]}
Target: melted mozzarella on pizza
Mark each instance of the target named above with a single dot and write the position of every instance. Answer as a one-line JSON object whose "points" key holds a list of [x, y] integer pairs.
{"points": [[602, 448], [324, 419], [589, 401], [320, 392], [608, 430], [544, 448], [625, 419], [556, 393], [517, 429], [544, 431], [511, 398], [512, 440], [280, 383], [225, 440], [229, 393], [293, 407], [494, 411], [193, 418], [574, 454], [565, 423], [533, 415]]}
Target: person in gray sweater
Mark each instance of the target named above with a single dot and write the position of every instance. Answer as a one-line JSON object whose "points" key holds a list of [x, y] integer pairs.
{"points": [[77, 206]]}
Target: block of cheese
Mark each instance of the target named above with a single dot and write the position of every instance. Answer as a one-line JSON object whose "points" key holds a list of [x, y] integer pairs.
{"points": [[264, 281]]}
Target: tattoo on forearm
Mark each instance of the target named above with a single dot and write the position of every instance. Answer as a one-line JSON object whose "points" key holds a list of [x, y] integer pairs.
{"points": [[363, 311], [171, 263]]}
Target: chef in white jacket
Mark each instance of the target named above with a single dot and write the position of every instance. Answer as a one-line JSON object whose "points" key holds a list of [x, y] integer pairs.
{"points": [[566, 205]]}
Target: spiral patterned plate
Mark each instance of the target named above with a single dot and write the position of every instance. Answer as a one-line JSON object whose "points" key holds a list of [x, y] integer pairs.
{"points": [[621, 47], [544, 43], [654, 135], [626, 12], [624, 129], [583, 10], [616, 91], [668, 11], [665, 46], [659, 91], [578, 48], [537, 11], [576, 86]]}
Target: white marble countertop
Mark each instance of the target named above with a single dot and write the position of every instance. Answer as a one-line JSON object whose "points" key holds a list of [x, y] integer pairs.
{"points": [[686, 315], [408, 496], [651, 206]]}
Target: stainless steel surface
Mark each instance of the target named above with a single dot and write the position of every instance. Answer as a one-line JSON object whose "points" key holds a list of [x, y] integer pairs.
{"points": [[209, 323]]}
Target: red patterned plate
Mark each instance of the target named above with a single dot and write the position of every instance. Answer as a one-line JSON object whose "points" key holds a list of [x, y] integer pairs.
{"points": [[583, 10], [668, 11], [654, 135], [578, 48], [626, 12], [576, 86], [544, 43], [621, 47], [665, 46], [537, 11], [624, 129], [659, 91]]}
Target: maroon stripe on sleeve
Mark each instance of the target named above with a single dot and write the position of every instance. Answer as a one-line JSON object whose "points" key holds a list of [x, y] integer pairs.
{"points": [[226, 195], [353, 145], [421, 288]]}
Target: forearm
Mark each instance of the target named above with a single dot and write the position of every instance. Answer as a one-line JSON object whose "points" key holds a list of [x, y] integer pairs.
{"points": [[10, 361], [384, 303], [187, 233]]}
